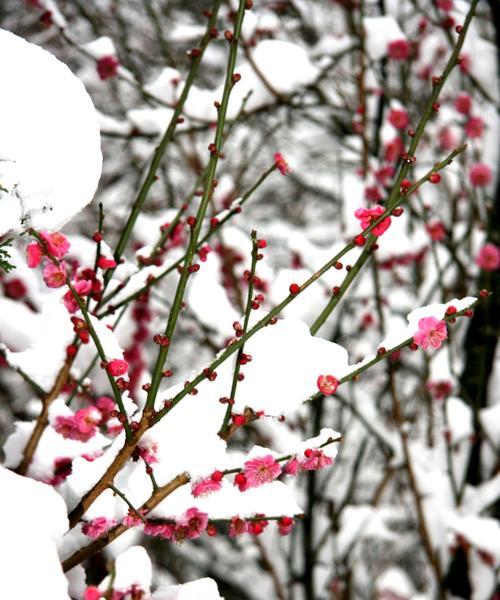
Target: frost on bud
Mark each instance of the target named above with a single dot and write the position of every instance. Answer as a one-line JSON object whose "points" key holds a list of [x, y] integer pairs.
{"points": [[327, 384]]}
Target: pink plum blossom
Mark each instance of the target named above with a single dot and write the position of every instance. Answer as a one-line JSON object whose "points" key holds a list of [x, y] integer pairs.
{"points": [[196, 521], [81, 426], [261, 470], [92, 593], [436, 231], [285, 525], [147, 451], [480, 175], [161, 530], [106, 263], [107, 67], [117, 367], [97, 527], [82, 288], [489, 257], [368, 215], [237, 526], [431, 332], [281, 164], [54, 276], [399, 49], [463, 103], [33, 255], [474, 127], [57, 243], [292, 466], [315, 459], [204, 487], [398, 118]]}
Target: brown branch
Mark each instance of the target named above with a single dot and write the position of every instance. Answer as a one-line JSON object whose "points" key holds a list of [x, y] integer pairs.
{"points": [[422, 524], [267, 563], [43, 418], [107, 479], [157, 496]]}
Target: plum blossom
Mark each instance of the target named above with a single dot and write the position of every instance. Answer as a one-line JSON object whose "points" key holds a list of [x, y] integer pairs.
{"points": [[92, 593], [54, 276], [107, 67], [315, 459], [237, 526], [285, 525], [431, 332], [57, 243], [117, 367], [480, 175], [440, 389], [106, 263], [436, 231], [82, 288], [81, 426], [398, 118], [489, 257], [97, 527], [196, 521], [63, 467], [368, 215], [399, 49], [281, 164], [474, 127], [463, 103], [257, 526], [393, 149], [147, 451], [33, 255], [327, 384], [292, 466], [162, 530], [261, 470], [204, 487]]}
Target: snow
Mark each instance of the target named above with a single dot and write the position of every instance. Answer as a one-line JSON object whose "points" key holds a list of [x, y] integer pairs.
{"points": [[380, 32], [490, 421], [51, 447], [271, 499], [286, 363], [481, 532], [35, 521], [208, 299], [40, 349], [359, 522], [166, 86], [459, 419], [205, 588], [100, 47], [107, 337], [50, 143], [395, 582], [133, 567], [151, 121], [284, 65]]}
